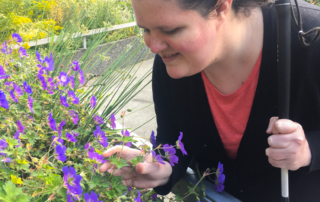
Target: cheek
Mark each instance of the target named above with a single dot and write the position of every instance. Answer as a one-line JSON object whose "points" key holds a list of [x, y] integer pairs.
{"points": [[146, 39]]}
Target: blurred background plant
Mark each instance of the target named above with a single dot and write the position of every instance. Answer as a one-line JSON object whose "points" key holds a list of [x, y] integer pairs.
{"points": [[37, 19]]}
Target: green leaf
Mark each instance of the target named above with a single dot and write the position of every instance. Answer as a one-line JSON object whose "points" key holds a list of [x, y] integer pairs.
{"points": [[136, 160], [119, 163], [94, 181], [10, 192], [22, 198]]}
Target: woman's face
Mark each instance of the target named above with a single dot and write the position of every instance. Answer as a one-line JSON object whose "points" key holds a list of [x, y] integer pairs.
{"points": [[183, 38]]}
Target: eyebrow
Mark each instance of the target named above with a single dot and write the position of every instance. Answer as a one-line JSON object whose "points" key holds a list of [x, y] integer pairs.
{"points": [[159, 27]]}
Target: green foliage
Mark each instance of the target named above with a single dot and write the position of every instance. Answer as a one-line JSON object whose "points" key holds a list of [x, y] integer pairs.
{"points": [[9, 192], [36, 19]]}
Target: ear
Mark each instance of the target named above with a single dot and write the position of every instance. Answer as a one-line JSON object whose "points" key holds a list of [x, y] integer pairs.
{"points": [[223, 9]]}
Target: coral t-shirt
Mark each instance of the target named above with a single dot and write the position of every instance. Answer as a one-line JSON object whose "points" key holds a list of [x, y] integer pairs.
{"points": [[231, 112]]}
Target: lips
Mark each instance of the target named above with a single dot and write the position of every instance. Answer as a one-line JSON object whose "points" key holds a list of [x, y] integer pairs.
{"points": [[166, 58], [170, 55]]}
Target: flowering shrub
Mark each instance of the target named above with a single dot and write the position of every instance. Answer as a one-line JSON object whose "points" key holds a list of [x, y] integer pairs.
{"points": [[37, 19], [51, 141]]}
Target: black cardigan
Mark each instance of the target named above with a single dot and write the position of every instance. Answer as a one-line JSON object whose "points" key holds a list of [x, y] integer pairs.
{"points": [[182, 105]]}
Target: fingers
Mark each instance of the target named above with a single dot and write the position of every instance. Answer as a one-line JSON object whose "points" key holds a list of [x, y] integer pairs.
{"points": [[116, 149], [147, 168], [271, 122], [280, 141], [280, 158], [282, 126]]}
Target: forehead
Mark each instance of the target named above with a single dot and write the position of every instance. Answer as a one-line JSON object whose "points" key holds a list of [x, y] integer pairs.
{"points": [[161, 13]]}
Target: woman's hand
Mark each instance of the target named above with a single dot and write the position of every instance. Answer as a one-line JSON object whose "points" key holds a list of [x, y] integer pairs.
{"points": [[289, 147], [145, 175]]}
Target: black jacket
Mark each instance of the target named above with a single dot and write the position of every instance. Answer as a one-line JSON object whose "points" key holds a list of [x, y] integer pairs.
{"points": [[182, 105]]}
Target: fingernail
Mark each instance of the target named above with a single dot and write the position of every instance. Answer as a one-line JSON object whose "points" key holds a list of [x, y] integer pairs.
{"points": [[267, 152], [270, 140]]}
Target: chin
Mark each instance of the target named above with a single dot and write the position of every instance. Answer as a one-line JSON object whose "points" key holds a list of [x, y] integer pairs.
{"points": [[173, 73]]}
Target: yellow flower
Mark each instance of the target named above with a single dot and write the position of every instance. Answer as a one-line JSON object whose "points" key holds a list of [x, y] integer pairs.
{"points": [[16, 180], [26, 45]]}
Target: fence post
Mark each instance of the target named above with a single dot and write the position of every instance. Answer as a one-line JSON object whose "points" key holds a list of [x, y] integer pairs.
{"points": [[84, 42]]}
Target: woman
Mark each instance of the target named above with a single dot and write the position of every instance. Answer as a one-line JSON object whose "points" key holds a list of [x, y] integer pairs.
{"points": [[214, 79]]}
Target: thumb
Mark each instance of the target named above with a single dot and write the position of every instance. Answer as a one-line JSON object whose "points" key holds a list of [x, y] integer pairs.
{"points": [[271, 123], [146, 168]]}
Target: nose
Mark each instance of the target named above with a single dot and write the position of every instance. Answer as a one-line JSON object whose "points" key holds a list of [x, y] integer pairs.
{"points": [[155, 42]]}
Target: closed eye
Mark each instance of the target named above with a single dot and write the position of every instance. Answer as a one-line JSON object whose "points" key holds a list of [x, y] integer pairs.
{"points": [[171, 31]]}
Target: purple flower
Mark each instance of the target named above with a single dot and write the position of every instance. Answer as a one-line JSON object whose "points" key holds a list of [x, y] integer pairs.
{"points": [[180, 145], [75, 66], [129, 189], [31, 118], [3, 144], [91, 152], [92, 198], [113, 121], [98, 120], [13, 96], [86, 146], [157, 158], [42, 80], [3, 100], [30, 104], [16, 136], [64, 79], [52, 122], [22, 52], [70, 137], [63, 100], [219, 179], [20, 127], [57, 140], [51, 83], [49, 62], [71, 83], [61, 126], [4, 47], [74, 116], [73, 97], [18, 91], [126, 133], [101, 136], [153, 140], [39, 57], [69, 199], [138, 199], [27, 88], [128, 144], [170, 154], [6, 160], [154, 197], [3, 74], [97, 158], [72, 182], [60, 152], [93, 101], [16, 37], [81, 77]]}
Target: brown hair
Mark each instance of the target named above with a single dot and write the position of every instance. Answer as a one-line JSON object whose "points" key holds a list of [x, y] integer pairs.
{"points": [[205, 7]]}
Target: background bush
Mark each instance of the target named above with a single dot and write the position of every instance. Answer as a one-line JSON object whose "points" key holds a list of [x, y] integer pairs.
{"points": [[36, 19]]}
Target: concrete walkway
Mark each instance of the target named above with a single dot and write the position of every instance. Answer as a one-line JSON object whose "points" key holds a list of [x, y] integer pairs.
{"points": [[141, 105]]}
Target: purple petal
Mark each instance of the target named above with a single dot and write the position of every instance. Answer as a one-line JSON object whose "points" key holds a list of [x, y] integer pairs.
{"points": [[93, 101], [81, 77], [30, 104], [3, 100], [16, 37]]}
